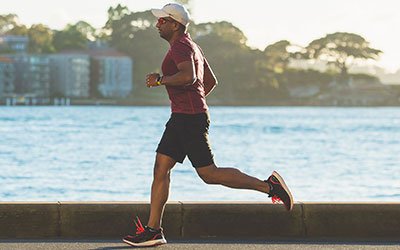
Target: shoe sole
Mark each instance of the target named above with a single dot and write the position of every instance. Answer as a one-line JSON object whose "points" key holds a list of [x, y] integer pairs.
{"points": [[285, 187], [149, 243]]}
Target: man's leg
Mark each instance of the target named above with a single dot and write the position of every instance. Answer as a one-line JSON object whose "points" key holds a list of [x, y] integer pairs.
{"points": [[160, 189], [231, 177]]}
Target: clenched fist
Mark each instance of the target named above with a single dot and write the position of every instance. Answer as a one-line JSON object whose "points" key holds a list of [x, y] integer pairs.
{"points": [[151, 79]]}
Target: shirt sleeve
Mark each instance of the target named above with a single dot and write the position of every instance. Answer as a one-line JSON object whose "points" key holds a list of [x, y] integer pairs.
{"points": [[205, 63], [205, 60], [181, 53]]}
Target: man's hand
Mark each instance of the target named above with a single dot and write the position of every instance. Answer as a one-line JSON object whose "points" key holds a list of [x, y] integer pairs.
{"points": [[151, 79]]}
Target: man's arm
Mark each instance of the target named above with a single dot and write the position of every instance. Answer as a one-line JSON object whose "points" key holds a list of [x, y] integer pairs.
{"points": [[185, 76], [210, 81]]}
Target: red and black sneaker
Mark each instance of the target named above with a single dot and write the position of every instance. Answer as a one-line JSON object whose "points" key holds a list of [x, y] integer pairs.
{"points": [[279, 191], [145, 236]]}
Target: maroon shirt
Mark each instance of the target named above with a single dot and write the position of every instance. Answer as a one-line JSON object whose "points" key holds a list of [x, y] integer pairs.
{"points": [[189, 99]]}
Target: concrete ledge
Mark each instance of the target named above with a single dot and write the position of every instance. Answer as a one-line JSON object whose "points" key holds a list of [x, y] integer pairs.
{"points": [[373, 221], [111, 220], [240, 221], [29, 220], [204, 220]]}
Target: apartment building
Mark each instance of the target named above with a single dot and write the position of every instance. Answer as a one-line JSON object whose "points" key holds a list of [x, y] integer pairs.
{"points": [[31, 74], [113, 73], [70, 74], [17, 44], [6, 76]]}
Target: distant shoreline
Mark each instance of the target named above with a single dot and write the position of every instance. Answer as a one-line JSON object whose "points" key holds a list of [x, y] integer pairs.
{"points": [[210, 105], [165, 102]]}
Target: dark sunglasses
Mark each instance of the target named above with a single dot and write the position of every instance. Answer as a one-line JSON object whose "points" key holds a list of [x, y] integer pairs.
{"points": [[162, 20]]}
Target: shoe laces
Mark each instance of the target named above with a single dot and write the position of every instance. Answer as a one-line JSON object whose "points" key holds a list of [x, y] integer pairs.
{"points": [[276, 199], [139, 227]]}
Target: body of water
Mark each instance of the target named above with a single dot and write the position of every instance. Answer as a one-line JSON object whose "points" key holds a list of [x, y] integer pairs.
{"points": [[107, 153]]}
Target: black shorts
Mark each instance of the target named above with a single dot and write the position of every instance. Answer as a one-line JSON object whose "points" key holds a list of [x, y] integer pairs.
{"points": [[187, 134]]}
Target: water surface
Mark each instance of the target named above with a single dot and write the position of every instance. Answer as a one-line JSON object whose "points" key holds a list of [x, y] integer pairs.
{"points": [[107, 153]]}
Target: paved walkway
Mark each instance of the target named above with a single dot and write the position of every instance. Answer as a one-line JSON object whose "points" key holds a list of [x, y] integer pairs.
{"points": [[189, 245]]}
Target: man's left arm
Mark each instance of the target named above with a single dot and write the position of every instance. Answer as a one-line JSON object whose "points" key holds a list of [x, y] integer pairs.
{"points": [[210, 81], [185, 76]]}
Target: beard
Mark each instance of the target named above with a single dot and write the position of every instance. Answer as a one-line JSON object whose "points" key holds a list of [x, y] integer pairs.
{"points": [[164, 36]]}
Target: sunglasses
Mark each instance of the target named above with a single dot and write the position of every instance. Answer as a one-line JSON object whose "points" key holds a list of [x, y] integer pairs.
{"points": [[162, 20]]}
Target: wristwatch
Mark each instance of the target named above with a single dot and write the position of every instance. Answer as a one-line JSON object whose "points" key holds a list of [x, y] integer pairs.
{"points": [[159, 80]]}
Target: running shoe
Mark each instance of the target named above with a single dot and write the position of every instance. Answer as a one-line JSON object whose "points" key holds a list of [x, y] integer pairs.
{"points": [[279, 192], [145, 236]]}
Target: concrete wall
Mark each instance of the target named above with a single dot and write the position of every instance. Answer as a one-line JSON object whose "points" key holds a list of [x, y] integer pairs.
{"points": [[204, 220]]}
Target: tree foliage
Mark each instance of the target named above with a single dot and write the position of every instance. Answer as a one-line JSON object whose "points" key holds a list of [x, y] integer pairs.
{"points": [[134, 34], [40, 36], [86, 29], [8, 22], [72, 37], [19, 30], [10, 25], [278, 56], [40, 39], [341, 49], [246, 75], [238, 68], [226, 31]]}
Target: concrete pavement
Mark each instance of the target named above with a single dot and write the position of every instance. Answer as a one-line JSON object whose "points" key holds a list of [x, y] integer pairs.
{"points": [[190, 245]]}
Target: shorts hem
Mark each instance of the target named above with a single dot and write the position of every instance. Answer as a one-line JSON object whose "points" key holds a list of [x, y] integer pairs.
{"points": [[170, 155], [203, 165]]}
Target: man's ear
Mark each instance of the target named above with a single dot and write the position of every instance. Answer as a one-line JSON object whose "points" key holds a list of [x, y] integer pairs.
{"points": [[176, 26]]}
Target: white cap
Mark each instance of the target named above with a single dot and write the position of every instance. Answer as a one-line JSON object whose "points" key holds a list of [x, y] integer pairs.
{"points": [[175, 11]]}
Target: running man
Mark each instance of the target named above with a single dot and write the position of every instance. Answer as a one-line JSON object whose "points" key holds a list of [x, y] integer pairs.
{"points": [[188, 79]]}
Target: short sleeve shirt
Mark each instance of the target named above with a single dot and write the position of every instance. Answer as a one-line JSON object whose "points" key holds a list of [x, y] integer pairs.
{"points": [[189, 99]]}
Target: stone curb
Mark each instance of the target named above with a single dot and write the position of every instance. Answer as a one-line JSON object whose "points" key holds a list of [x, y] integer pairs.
{"points": [[204, 220]]}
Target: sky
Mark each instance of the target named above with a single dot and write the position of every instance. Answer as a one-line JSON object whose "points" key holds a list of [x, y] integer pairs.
{"points": [[262, 21]]}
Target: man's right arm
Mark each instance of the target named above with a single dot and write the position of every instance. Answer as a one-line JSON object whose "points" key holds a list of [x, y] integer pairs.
{"points": [[210, 81]]}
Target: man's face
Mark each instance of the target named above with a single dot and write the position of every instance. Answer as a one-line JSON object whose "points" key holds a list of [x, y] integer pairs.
{"points": [[165, 27]]}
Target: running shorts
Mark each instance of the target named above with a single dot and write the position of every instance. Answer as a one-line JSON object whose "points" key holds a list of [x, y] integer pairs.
{"points": [[187, 135]]}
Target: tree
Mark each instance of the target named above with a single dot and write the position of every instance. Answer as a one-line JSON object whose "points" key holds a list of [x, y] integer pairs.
{"points": [[244, 73], [18, 30], [235, 64], [8, 22], [117, 13], [88, 30], [341, 49], [224, 30], [71, 38], [134, 34], [278, 56], [40, 39], [9, 25]]}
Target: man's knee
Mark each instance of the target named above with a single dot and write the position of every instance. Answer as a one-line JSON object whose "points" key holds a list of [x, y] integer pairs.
{"points": [[160, 171], [208, 174]]}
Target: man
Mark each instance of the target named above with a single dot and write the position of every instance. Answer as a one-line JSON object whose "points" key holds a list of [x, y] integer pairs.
{"points": [[188, 79]]}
